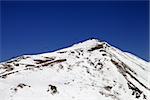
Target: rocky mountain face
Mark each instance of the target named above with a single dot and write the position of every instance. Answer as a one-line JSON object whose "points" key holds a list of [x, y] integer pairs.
{"points": [[91, 70]]}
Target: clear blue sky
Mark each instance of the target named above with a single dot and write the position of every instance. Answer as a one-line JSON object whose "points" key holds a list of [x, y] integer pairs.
{"points": [[36, 27]]}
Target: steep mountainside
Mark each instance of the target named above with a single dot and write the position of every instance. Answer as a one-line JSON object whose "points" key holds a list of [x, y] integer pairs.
{"points": [[91, 70]]}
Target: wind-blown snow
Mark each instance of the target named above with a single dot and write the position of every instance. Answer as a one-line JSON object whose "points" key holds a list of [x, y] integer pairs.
{"points": [[91, 70]]}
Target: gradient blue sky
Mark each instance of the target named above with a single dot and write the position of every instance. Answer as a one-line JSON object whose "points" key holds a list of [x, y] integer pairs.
{"points": [[35, 26]]}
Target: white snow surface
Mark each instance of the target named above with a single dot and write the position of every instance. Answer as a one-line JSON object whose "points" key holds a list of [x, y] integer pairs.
{"points": [[91, 70]]}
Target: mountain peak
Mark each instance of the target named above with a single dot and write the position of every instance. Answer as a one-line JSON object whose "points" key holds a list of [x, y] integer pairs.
{"points": [[87, 45], [90, 70]]}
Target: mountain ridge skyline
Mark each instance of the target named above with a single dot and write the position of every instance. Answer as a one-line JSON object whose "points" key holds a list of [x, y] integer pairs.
{"points": [[97, 39], [88, 70]]}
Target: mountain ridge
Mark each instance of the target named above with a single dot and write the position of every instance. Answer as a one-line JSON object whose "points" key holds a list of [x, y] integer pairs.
{"points": [[92, 68]]}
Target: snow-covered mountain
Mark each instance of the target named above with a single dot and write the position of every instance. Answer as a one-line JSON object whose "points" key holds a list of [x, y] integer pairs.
{"points": [[91, 70]]}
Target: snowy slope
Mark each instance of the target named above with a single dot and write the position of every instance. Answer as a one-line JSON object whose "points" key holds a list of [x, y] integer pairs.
{"points": [[91, 70]]}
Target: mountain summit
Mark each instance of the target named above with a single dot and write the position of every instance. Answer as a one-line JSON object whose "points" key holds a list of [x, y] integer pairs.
{"points": [[91, 70]]}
